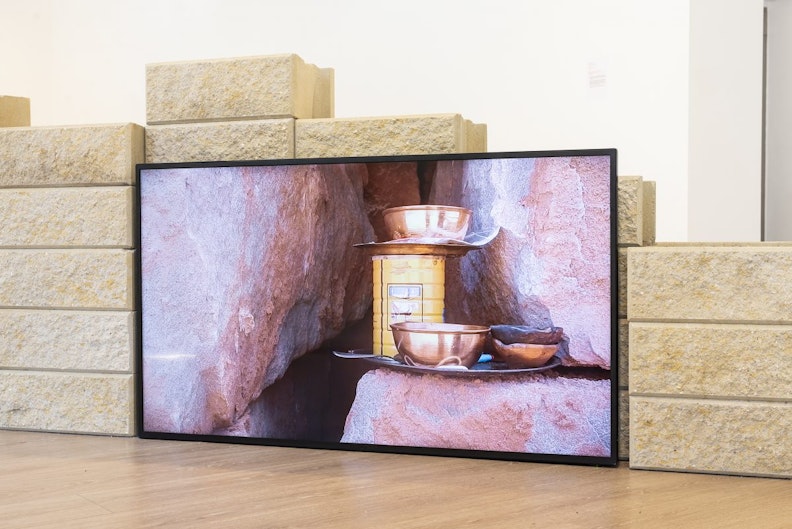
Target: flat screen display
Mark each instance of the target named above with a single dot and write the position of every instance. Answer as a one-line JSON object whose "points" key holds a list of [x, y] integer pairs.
{"points": [[460, 305]]}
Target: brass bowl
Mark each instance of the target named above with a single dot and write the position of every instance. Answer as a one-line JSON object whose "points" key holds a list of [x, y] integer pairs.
{"points": [[436, 344], [522, 355], [427, 222]]}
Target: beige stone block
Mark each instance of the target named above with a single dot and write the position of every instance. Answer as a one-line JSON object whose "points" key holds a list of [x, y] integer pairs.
{"points": [[60, 278], [624, 353], [14, 111], [622, 279], [233, 140], [67, 402], [67, 340], [624, 425], [476, 137], [748, 283], [387, 136], [629, 211], [649, 213], [243, 88], [77, 216], [324, 94], [93, 154], [725, 437], [717, 360]]}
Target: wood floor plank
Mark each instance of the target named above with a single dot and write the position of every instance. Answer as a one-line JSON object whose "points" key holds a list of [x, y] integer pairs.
{"points": [[63, 481]]}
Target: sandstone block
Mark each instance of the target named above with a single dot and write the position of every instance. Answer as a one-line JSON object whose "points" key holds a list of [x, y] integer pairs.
{"points": [[243, 88], [67, 340], [629, 203], [624, 425], [624, 353], [720, 436], [532, 413], [83, 216], [649, 212], [14, 111], [67, 279], [711, 360], [67, 402], [382, 136], [94, 154], [622, 273], [725, 283], [233, 140]]}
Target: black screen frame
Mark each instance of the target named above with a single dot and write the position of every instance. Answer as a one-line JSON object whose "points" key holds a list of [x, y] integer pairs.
{"points": [[609, 460]]}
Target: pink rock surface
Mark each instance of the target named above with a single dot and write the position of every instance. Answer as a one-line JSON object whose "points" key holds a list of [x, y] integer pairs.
{"points": [[390, 185], [244, 269], [536, 413], [550, 264]]}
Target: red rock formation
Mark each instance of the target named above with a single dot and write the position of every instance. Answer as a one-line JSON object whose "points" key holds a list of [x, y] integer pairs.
{"points": [[550, 264], [244, 270], [536, 413]]}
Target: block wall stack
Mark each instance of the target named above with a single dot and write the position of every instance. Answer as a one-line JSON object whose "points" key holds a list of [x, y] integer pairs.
{"points": [[636, 228], [276, 107], [67, 277], [711, 358]]}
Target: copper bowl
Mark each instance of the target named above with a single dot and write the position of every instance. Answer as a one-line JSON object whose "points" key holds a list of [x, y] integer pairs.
{"points": [[436, 344], [433, 222], [524, 355]]}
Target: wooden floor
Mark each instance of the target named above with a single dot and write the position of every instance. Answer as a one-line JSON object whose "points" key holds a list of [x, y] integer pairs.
{"points": [[57, 481]]}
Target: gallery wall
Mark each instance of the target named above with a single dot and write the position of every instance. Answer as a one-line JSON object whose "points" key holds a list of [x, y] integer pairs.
{"points": [[541, 75]]}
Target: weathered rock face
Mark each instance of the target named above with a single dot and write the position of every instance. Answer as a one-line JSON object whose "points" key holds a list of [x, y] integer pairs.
{"points": [[244, 269], [390, 185], [536, 413], [550, 264]]}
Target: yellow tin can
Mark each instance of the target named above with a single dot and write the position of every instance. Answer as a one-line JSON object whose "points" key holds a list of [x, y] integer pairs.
{"points": [[406, 288]]}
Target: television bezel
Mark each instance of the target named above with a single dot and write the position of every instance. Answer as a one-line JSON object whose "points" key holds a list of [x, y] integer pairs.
{"points": [[611, 460]]}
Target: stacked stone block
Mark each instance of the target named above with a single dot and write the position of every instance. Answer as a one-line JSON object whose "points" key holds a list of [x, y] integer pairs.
{"points": [[14, 111], [635, 228], [711, 358], [67, 277], [277, 107]]}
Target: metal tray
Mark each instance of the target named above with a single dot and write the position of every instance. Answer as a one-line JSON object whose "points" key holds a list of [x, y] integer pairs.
{"points": [[481, 369]]}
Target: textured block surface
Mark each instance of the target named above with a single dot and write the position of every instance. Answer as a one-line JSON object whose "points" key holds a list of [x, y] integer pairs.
{"points": [[382, 136], [85, 216], [624, 353], [233, 140], [14, 111], [622, 272], [726, 283], [624, 425], [649, 213], [244, 88], [630, 202], [67, 402], [729, 437], [67, 278], [711, 360], [69, 340], [99, 154]]}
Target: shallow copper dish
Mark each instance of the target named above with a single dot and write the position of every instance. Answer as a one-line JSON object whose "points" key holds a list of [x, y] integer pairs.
{"points": [[522, 355]]}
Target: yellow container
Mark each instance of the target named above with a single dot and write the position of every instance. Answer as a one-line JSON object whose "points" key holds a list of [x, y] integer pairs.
{"points": [[406, 288]]}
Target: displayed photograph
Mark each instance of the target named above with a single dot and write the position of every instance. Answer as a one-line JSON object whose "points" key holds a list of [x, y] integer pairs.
{"points": [[458, 305]]}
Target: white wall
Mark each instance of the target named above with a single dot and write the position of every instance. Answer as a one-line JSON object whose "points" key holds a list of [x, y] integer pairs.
{"points": [[541, 74], [778, 170], [725, 181]]}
